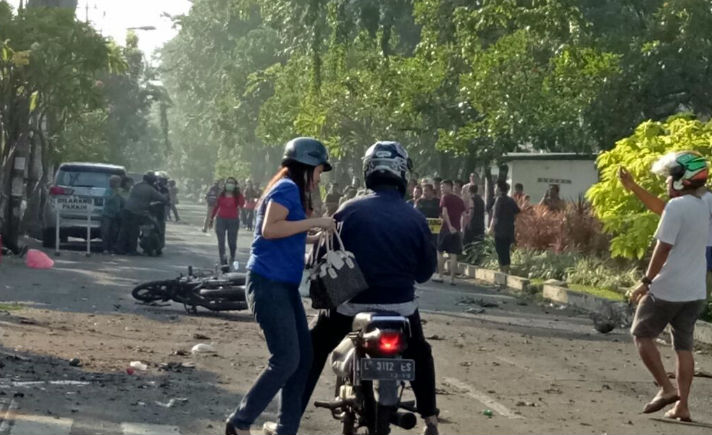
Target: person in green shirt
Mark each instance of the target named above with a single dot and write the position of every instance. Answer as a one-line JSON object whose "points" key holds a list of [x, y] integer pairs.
{"points": [[111, 214]]}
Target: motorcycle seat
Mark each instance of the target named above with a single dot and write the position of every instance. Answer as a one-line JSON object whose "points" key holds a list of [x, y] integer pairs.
{"points": [[236, 293], [367, 322]]}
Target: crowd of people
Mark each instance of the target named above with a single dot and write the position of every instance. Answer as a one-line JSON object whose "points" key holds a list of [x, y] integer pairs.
{"points": [[127, 206]]}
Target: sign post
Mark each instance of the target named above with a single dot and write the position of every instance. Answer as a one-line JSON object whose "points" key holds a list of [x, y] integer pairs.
{"points": [[56, 228], [73, 204], [90, 208]]}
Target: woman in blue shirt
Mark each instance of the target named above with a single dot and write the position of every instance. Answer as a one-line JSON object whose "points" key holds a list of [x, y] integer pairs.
{"points": [[274, 273]]}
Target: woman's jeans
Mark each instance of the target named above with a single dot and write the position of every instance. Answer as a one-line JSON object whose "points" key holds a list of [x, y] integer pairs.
{"points": [[278, 309], [228, 227]]}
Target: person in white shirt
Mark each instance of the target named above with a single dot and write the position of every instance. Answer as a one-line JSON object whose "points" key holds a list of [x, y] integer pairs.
{"points": [[657, 205], [673, 288]]}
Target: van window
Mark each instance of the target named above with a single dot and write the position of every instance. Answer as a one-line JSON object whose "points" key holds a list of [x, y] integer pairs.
{"points": [[77, 178]]}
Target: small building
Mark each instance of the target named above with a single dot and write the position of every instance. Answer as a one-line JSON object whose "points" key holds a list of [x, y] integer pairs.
{"points": [[574, 173]]}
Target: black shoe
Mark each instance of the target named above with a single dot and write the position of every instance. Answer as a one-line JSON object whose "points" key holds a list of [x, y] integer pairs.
{"points": [[230, 429]]}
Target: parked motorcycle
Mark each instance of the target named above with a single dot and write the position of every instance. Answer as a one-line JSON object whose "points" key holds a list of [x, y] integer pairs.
{"points": [[371, 375], [216, 292]]}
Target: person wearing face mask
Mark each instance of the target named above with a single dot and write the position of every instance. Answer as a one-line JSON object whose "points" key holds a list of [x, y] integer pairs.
{"points": [[227, 209]]}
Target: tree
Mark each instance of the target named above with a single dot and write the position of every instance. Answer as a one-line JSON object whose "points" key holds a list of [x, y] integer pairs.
{"points": [[459, 82], [48, 63], [623, 216]]}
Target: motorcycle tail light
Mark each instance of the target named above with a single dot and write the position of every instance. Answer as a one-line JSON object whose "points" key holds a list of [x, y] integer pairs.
{"points": [[57, 190], [390, 342]]}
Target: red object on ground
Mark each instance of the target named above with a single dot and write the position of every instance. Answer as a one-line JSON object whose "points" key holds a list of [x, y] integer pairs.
{"points": [[38, 260]]}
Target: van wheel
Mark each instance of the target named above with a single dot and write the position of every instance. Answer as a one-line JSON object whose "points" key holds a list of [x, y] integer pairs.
{"points": [[48, 237]]}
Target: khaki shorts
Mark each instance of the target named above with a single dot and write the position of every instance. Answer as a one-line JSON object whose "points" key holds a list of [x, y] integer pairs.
{"points": [[653, 315]]}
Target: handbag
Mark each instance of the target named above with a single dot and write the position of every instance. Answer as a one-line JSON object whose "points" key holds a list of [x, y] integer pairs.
{"points": [[335, 277]]}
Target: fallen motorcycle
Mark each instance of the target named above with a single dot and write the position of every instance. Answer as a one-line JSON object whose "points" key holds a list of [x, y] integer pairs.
{"points": [[216, 292], [370, 374]]}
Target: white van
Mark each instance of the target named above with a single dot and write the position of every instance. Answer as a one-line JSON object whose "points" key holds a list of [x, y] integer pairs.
{"points": [[78, 186]]}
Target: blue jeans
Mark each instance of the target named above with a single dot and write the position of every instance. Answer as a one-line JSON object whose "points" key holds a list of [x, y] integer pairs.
{"points": [[278, 309]]}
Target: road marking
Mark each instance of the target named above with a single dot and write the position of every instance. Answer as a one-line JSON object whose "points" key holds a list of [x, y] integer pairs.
{"points": [[483, 398], [40, 424], [148, 429], [5, 424], [4, 383]]}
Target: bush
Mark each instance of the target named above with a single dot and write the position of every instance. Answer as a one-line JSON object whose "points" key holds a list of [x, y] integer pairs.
{"points": [[480, 252], [602, 274], [575, 229], [545, 265], [570, 267]]}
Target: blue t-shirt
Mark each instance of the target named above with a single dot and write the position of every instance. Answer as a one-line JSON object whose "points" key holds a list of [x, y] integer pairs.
{"points": [[280, 259]]}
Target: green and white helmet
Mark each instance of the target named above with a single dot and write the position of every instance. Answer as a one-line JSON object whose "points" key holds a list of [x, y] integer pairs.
{"points": [[688, 169]]}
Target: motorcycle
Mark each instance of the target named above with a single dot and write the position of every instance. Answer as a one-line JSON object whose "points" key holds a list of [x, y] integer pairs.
{"points": [[149, 237], [371, 375], [216, 292]]}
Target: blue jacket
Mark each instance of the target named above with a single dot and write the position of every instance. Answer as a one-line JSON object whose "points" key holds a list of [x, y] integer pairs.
{"points": [[392, 244]]}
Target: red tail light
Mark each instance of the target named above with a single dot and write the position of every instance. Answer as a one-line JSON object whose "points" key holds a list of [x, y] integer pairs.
{"points": [[390, 342], [57, 190]]}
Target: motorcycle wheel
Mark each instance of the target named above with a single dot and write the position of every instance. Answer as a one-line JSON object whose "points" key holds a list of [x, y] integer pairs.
{"points": [[383, 419], [152, 291]]}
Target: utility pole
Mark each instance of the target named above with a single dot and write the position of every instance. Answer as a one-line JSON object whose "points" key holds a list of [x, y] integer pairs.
{"points": [[17, 190]]}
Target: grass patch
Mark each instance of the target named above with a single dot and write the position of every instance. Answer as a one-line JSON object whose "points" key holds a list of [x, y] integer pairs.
{"points": [[595, 291], [10, 307]]}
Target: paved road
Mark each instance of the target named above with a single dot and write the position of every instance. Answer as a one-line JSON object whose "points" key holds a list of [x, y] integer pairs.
{"points": [[539, 368]]}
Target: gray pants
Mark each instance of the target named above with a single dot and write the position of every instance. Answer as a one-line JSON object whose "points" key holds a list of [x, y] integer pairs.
{"points": [[227, 227]]}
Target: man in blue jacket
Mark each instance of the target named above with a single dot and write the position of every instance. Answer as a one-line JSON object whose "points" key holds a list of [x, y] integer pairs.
{"points": [[394, 249]]}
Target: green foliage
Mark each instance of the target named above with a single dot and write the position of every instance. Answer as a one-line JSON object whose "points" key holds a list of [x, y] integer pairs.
{"points": [[473, 79], [570, 267], [602, 274], [623, 216], [480, 252]]}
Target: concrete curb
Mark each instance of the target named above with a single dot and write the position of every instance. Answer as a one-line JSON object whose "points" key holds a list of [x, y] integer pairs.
{"points": [[558, 293], [494, 277]]}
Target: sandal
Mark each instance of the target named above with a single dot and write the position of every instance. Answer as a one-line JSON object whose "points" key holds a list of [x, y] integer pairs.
{"points": [[659, 403], [671, 415]]}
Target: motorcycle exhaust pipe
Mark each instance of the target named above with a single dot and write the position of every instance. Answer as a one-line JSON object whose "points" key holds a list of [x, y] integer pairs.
{"points": [[404, 420]]}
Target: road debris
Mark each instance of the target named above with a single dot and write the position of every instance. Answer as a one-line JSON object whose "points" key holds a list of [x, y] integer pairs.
{"points": [[203, 348]]}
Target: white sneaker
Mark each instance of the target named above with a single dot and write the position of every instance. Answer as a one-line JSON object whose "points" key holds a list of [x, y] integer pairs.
{"points": [[269, 428]]}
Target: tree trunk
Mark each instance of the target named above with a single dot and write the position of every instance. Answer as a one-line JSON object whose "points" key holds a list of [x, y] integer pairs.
{"points": [[36, 194], [18, 169]]}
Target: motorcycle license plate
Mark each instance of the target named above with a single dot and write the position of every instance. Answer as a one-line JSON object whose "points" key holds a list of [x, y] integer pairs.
{"points": [[385, 369]]}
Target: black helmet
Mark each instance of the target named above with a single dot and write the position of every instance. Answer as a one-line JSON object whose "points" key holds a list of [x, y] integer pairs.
{"points": [[387, 162], [308, 151], [149, 177]]}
